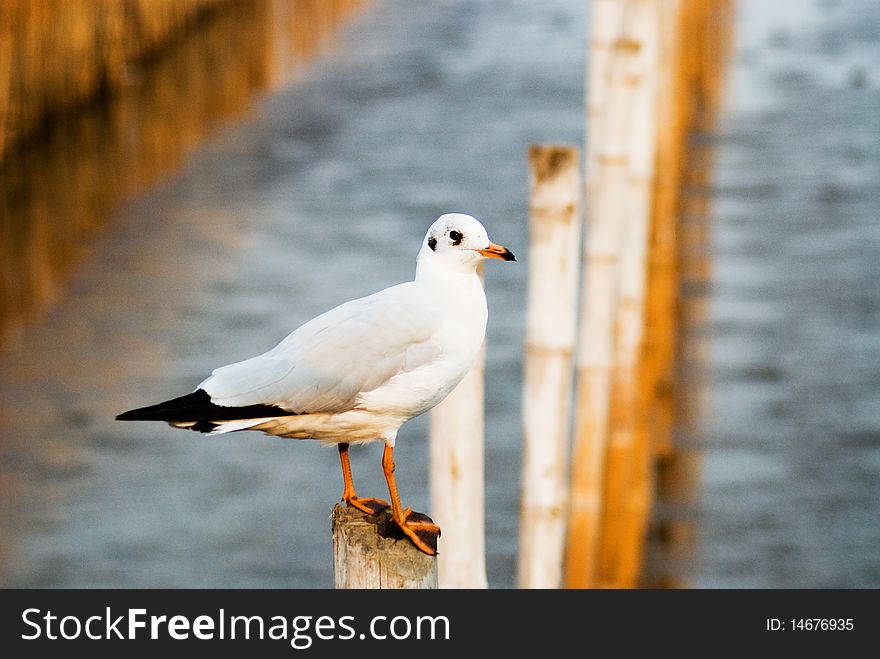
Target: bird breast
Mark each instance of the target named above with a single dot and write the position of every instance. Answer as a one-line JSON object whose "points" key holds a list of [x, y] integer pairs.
{"points": [[458, 340]]}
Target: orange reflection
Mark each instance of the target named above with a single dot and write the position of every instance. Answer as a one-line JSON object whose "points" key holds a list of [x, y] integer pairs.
{"points": [[57, 189]]}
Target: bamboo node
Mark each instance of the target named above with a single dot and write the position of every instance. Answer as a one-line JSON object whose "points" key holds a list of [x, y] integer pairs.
{"points": [[548, 160], [627, 45]]}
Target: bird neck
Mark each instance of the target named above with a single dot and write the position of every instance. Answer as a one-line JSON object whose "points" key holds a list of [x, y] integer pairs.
{"points": [[457, 288], [445, 274]]}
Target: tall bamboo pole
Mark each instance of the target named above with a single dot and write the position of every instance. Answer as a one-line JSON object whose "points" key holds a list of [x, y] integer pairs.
{"points": [[456, 428], [555, 223], [656, 371], [661, 324], [615, 61], [627, 493], [700, 69]]}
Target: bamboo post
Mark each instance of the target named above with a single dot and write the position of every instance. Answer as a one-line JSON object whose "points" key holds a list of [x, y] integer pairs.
{"points": [[555, 224], [654, 77], [369, 551], [457, 499], [661, 324], [654, 417], [611, 99], [699, 74], [628, 459]]}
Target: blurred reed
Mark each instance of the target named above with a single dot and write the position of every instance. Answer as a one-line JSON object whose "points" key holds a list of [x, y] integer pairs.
{"points": [[100, 99], [62, 52]]}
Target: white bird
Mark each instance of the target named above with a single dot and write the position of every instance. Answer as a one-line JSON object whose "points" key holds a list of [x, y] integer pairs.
{"points": [[358, 372]]}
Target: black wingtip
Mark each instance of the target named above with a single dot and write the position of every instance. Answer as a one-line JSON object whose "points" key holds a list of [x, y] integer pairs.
{"points": [[139, 414], [169, 410], [198, 407]]}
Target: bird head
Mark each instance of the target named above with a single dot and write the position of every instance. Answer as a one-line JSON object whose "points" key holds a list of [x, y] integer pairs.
{"points": [[461, 242]]}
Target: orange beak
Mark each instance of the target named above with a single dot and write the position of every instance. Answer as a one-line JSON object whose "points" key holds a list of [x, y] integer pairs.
{"points": [[494, 251]]}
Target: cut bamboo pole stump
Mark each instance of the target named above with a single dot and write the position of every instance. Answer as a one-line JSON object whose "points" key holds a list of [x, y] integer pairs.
{"points": [[456, 428], [369, 551], [555, 222]]}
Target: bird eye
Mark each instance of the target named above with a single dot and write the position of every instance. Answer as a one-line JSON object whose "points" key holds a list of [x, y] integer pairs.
{"points": [[456, 237]]}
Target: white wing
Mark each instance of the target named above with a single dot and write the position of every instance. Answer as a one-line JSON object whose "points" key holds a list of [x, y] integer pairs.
{"points": [[324, 365]]}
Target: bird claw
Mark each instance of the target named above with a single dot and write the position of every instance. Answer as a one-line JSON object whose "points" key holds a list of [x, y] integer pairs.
{"points": [[368, 505], [421, 530]]}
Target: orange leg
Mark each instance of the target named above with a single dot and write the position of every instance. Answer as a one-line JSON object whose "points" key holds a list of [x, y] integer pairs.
{"points": [[368, 505], [418, 527]]}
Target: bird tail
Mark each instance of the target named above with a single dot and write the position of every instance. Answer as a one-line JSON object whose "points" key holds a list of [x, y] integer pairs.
{"points": [[195, 411], [223, 427]]}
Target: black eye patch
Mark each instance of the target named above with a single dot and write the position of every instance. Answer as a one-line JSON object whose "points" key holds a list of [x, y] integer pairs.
{"points": [[456, 237]]}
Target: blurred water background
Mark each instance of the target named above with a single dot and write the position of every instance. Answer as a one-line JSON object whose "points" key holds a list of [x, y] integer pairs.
{"points": [[203, 244], [790, 490]]}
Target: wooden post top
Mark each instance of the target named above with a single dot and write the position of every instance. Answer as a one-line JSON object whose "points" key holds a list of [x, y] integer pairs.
{"points": [[369, 551]]}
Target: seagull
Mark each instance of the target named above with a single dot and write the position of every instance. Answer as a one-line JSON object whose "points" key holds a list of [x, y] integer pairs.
{"points": [[358, 372]]}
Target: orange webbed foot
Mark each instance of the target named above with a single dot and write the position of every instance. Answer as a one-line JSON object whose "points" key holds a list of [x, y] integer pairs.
{"points": [[421, 530], [368, 505]]}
